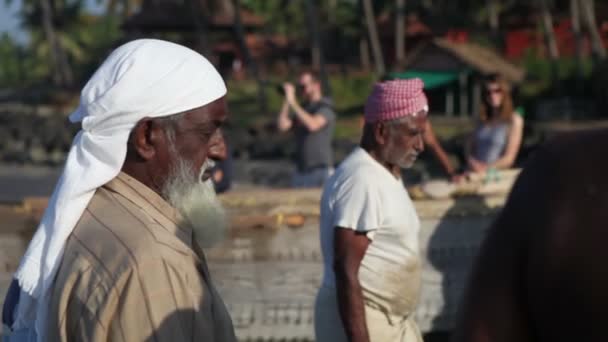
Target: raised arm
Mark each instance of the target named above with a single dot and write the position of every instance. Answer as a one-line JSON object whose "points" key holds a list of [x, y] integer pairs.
{"points": [[284, 123], [312, 121]]}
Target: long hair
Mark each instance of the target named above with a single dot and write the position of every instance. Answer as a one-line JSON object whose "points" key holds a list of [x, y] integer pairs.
{"points": [[505, 111]]}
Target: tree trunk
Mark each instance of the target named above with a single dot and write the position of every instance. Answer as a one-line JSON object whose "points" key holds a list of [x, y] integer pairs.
{"points": [[333, 4], [400, 33], [370, 19], [364, 54], [588, 13], [493, 20], [578, 38], [224, 7], [317, 50], [200, 25], [547, 21], [62, 74], [249, 61]]}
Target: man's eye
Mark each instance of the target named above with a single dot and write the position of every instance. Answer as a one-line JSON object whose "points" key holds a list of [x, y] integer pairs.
{"points": [[207, 134]]}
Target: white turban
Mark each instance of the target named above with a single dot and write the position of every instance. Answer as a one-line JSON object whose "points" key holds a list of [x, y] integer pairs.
{"points": [[143, 78]]}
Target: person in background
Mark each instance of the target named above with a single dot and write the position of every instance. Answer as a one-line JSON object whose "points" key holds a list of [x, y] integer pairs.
{"points": [[497, 138], [313, 125], [369, 226]]}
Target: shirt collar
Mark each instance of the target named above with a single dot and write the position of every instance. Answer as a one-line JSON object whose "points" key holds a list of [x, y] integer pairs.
{"points": [[156, 207], [373, 161]]}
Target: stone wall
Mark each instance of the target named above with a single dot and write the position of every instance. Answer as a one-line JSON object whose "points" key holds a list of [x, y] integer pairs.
{"points": [[34, 135]]}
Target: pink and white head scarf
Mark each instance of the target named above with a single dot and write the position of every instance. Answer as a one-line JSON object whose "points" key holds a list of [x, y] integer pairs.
{"points": [[395, 99]]}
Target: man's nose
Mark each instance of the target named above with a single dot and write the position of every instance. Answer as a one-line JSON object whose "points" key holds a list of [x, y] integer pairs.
{"points": [[218, 150], [419, 145]]}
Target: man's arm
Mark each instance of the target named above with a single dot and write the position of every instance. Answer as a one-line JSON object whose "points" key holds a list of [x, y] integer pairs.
{"points": [[312, 121], [431, 141], [349, 249], [284, 123]]}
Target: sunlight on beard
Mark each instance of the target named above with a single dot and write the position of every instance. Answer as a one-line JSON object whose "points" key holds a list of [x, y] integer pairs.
{"points": [[397, 157], [197, 202]]}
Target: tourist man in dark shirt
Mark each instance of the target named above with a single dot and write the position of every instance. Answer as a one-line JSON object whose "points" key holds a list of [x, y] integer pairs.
{"points": [[313, 125]]}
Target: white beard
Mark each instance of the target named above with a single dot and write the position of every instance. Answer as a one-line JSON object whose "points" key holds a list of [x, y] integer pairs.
{"points": [[197, 202]]}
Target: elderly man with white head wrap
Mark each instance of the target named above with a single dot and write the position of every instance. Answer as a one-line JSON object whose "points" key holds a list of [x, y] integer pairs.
{"points": [[117, 255]]}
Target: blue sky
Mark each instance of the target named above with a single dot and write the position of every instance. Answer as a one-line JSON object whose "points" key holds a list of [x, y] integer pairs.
{"points": [[9, 17], [9, 21]]}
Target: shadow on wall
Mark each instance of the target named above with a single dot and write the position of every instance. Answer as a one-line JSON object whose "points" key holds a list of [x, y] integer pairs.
{"points": [[450, 252]]}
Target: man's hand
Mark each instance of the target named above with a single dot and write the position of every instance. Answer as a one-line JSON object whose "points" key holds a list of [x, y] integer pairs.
{"points": [[290, 93], [458, 178], [477, 166], [349, 249]]}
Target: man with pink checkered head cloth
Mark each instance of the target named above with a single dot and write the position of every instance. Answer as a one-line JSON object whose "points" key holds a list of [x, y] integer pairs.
{"points": [[369, 226]]}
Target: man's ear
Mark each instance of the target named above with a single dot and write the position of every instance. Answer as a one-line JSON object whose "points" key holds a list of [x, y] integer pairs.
{"points": [[146, 137], [381, 133]]}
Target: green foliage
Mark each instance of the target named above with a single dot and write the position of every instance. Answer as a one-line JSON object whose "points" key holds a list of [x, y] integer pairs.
{"points": [[9, 61], [97, 38], [350, 93], [281, 16], [86, 40], [540, 72]]}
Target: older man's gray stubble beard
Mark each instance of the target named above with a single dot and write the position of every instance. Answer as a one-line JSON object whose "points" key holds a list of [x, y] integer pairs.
{"points": [[196, 201], [395, 155]]}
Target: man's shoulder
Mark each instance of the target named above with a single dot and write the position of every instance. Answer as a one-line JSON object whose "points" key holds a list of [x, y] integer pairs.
{"points": [[358, 164], [115, 233], [353, 176], [324, 106]]}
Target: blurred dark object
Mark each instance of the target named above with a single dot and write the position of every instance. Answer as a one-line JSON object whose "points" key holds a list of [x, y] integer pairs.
{"points": [[279, 88], [222, 173]]}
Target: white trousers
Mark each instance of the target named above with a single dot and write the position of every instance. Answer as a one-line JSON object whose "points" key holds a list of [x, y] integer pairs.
{"points": [[329, 328]]}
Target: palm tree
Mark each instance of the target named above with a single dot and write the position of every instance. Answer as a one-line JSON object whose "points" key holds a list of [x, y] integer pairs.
{"points": [[588, 14], [493, 20], [249, 61], [370, 20], [127, 7], [226, 7], [317, 51], [400, 32], [364, 53], [62, 74], [576, 28], [547, 22]]}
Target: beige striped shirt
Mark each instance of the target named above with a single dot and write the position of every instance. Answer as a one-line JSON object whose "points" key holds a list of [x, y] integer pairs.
{"points": [[130, 272]]}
